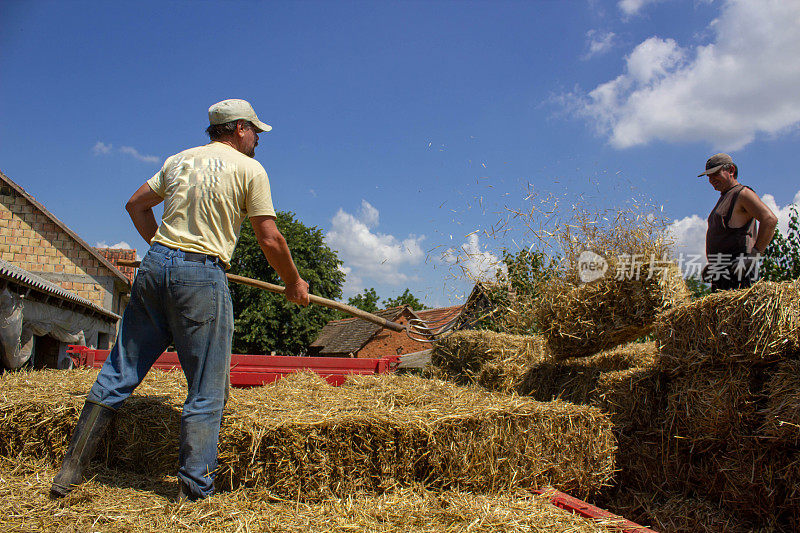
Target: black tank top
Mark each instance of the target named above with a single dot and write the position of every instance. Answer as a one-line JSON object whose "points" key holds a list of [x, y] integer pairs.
{"points": [[720, 237]]}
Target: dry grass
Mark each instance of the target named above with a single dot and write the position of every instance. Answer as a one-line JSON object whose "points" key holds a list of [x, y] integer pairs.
{"points": [[676, 513], [580, 319], [115, 501], [576, 380], [757, 325], [711, 407], [782, 414], [496, 361], [301, 438]]}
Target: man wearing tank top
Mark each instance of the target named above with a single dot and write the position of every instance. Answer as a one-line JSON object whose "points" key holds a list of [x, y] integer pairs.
{"points": [[734, 242]]}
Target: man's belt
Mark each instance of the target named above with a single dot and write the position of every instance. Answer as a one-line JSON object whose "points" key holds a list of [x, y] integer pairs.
{"points": [[201, 258]]}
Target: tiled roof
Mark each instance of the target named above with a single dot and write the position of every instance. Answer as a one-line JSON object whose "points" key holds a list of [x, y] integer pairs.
{"points": [[115, 254], [440, 315], [20, 276], [102, 260], [349, 335]]}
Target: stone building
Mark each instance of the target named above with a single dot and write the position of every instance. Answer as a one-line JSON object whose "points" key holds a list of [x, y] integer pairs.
{"points": [[48, 263]]}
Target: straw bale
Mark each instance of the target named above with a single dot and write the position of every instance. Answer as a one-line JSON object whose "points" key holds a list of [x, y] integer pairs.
{"points": [[493, 360], [301, 438], [755, 325], [782, 413], [677, 513], [576, 379], [634, 398], [578, 321], [746, 477], [117, 501], [712, 406]]}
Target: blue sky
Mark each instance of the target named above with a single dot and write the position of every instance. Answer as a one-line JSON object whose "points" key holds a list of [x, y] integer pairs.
{"points": [[406, 129]]}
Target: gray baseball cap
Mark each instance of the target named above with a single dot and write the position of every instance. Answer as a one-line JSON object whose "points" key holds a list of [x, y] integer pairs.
{"points": [[234, 109], [716, 162]]}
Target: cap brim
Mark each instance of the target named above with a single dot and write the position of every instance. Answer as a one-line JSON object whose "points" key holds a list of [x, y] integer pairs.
{"points": [[710, 171], [261, 126]]}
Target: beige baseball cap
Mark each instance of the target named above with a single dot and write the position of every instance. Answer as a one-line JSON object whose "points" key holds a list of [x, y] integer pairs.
{"points": [[235, 109]]}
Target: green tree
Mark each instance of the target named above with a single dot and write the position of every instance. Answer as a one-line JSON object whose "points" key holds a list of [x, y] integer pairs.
{"points": [[366, 301], [697, 288], [782, 256], [266, 322], [404, 299], [514, 293]]}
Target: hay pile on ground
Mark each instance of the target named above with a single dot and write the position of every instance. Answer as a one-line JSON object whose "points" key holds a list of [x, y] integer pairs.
{"points": [[493, 360], [301, 438], [118, 501]]}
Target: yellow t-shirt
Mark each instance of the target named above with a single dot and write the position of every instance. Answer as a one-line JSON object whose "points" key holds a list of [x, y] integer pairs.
{"points": [[207, 192]]}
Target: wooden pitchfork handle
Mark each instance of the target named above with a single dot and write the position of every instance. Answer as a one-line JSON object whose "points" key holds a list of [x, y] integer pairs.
{"points": [[319, 300]]}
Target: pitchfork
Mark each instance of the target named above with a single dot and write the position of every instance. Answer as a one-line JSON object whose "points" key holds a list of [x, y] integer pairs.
{"points": [[416, 329]]}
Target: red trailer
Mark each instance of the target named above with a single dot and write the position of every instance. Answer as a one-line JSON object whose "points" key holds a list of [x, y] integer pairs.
{"points": [[256, 370]]}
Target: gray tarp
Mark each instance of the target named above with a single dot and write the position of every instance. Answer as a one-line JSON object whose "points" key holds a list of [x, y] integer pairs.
{"points": [[19, 321], [11, 330]]}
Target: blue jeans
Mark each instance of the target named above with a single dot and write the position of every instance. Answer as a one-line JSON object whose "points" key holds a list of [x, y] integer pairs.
{"points": [[187, 304]]}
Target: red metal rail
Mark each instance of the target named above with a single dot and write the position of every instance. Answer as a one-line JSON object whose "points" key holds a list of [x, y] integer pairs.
{"points": [[257, 370], [569, 503]]}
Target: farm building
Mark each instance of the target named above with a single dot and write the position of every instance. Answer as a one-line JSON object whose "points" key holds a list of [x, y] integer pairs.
{"points": [[67, 291]]}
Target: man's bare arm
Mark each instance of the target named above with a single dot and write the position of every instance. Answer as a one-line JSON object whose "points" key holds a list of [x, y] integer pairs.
{"points": [[140, 209], [767, 221], [275, 249]]}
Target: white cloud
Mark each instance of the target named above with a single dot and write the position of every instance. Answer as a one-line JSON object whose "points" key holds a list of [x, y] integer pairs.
{"points": [[633, 7], [101, 148], [599, 43], [742, 84], [475, 263], [371, 256], [121, 244], [689, 233], [141, 157]]}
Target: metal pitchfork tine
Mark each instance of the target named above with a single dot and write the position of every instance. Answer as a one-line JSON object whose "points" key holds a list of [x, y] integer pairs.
{"points": [[416, 329]]}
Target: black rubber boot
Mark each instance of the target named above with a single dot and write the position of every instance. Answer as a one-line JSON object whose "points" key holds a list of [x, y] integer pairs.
{"points": [[91, 427]]}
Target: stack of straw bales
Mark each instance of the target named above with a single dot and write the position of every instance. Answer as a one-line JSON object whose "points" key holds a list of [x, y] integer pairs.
{"points": [[301, 438], [731, 405], [118, 501], [496, 361], [710, 413]]}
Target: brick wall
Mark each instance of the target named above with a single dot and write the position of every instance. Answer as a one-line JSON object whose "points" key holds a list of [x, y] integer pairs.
{"points": [[389, 342], [31, 240]]}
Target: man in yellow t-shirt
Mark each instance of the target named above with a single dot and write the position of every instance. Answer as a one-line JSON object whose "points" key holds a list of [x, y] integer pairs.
{"points": [[180, 295]]}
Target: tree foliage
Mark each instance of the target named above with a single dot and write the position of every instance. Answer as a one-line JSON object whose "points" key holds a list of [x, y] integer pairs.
{"points": [[782, 256], [515, 292], [697, 288], [404, 299], [366, 301], [265, 322]]}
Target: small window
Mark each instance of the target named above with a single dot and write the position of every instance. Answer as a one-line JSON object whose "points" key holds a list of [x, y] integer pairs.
{"points": [[102, 341]]}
